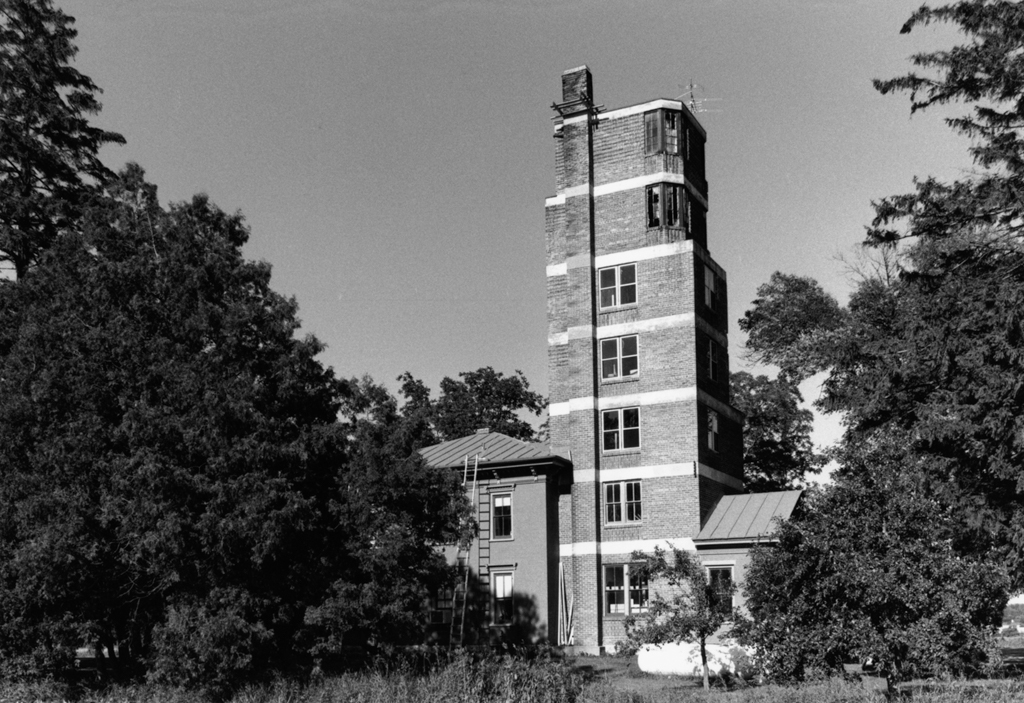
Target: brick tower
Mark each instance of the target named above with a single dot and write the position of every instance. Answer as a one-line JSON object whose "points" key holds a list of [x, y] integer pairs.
{"points": [[637, 348]]}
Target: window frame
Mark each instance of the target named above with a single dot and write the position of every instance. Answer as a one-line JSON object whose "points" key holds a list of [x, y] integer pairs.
{"points": [[508, 597], [658, 138], [620, 430], [714, 361], [622, 506], [723, 568], [620, 357], [617, 287], [712, 430], [710, 289], [668, 205], [495, 497], [442, 605], [628, 588]]}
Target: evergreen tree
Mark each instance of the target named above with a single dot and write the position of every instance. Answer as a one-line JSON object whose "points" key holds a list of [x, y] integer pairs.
{"points": [[49, 163]]}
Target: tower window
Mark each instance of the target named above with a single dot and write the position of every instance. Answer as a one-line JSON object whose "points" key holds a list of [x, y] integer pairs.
{"points": [[622, 502], [712, 430], [619, 357], [620, 429], [667, 206], [620, 583], [663, 132], [618, 286], [713, 362], [710, 288]]}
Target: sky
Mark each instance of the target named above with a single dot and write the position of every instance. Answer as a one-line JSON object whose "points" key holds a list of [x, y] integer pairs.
{"points": [[392, 157]]}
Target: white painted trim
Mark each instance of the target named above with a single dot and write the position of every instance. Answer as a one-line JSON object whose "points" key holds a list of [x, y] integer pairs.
{"points": [[554, 201], [651, 325], [558, 338], [671, 395], [643, 254], [573, 405], [621, 112], [685, 469], [647, 180], [624, 547], [718, 563], [557, 269], [580, 261], [575, 191], [720, 476], [581, 332]]}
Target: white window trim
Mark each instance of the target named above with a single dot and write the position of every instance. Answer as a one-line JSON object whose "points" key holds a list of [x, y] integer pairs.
{"points": [[618, 358], [626, 585], [511, 516], [621, 430], [494, 596], [618, 286], [623, 503], [710, 566]]}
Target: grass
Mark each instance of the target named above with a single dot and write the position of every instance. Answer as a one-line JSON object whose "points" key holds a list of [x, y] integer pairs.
{"points": [[510, 680]]}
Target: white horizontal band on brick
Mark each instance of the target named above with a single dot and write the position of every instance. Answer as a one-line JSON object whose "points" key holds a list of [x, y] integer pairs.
{"points": [[644, 253], [557, 269], [569, 406], [554, 201], [579, 261], [635, 327], [635, 472], [651, 325], [720, 407], [581, 332], [647, 180], [621, 112], [672, 395], [574, 191], [624, 547], [719, 476]]}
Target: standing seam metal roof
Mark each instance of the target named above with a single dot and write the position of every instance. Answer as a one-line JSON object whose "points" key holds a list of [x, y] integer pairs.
{"points": [[493, 448], [748, 516]]}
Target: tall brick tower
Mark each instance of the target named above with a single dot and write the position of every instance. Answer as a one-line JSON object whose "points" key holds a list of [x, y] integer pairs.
{"points": [[637, 348]]}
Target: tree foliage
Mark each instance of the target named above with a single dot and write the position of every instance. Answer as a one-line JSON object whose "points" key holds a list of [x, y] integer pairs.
{"points": [[49, 162], [479, 399], [778, 453], [174, 482], [694, 609], [869, 571]]}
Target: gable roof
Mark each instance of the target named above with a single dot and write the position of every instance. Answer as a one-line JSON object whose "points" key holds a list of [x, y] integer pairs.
{"points": [[493, 448], [749, 516]]}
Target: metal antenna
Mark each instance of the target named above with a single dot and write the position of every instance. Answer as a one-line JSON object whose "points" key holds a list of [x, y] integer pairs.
{"points": [[695, 103]]}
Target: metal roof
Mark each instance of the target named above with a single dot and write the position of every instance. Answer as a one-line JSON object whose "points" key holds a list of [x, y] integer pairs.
{"points": [[748, 516], [493, 448]]}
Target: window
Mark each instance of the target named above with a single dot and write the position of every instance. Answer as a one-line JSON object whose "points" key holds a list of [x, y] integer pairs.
{"points": [[710, 288], [618, 286], [621, 428], [501, 583], [712, 430], [662, 131], [441, 608], [713, 368], [619, 357], [624, 593], [501, 517], [622, 502], [720, 581], [667, 206]]}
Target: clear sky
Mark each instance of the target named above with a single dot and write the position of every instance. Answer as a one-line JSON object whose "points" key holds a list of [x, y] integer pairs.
{"points": [[392, 156]]}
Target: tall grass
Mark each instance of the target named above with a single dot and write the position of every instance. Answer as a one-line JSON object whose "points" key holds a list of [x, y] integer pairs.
{"points": [[466, 679]]}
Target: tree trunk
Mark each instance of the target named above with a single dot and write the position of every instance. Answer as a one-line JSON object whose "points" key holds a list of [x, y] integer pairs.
{"points": [[892, 685], [704, 663]]}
